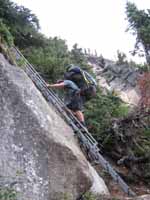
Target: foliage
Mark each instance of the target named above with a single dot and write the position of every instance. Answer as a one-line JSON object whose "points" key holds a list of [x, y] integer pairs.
{"points": [[129, 144], [139, 24], [142, 67], [20, 62], [77, 56], [146, 132], [65, 196], [48, 55], [23, 24], [122, 110], [100, 111], [5, 34], [49, 59], [89, 196], [8, 194], [121, 58]]}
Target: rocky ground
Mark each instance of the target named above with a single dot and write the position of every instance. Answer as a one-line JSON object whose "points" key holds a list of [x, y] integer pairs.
{"points": [[120, 78]]}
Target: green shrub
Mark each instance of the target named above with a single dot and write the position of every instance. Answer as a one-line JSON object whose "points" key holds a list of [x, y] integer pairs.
{"points": [[8, 194], [89, 196], [147, 132], [121, 111], [100, 111], [5, 34]]}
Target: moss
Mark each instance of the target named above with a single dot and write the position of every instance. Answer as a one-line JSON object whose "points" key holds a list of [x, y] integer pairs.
{"points": [[63, 196], [146, 132], [7, 193], [89, 196], [121, 111], [8, 54], [21, 62]]}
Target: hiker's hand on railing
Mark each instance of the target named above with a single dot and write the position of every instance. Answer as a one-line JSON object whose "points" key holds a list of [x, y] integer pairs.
{"points": [[48, 85]]}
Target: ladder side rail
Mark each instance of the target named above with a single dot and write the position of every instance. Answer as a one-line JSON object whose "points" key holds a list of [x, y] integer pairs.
{"points": [[101, 160], [76, 120], [49, 97], [37, 80]]}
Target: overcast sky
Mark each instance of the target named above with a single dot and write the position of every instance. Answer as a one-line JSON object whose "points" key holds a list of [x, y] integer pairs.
{"points": [[96, 24]]}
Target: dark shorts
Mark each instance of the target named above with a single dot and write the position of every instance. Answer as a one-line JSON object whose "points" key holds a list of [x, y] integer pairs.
{"points": [[76, 103]]}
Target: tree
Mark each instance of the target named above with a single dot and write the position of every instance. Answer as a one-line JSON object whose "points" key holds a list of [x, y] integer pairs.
{"points": [[22, 23], [139, 24], [122, 58], [50, 58], [77, 56], [100, 111]]}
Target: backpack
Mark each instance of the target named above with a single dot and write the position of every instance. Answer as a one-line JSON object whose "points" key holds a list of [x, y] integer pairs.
{"points": [[84, 81]]}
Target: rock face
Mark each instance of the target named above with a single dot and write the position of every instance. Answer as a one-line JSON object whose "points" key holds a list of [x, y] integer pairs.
{"points": [[119, 78], [143, 197], [39, 156]]}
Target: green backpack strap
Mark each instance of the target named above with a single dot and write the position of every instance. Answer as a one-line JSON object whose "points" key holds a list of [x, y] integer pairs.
{"points": [[89, 80], [85, 78]]}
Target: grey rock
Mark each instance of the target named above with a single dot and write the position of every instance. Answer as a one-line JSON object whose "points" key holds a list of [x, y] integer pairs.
{"points": [[39, 156], [119, 78], [132, 79], [117, 84], [116, 69], [143, 197]]}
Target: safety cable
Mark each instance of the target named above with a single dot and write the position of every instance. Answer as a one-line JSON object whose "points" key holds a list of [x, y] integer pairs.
{"points": [[85, 138]]}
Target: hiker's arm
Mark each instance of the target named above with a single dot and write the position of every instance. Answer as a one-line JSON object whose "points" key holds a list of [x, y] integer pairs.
{"points": [[56, 85]]}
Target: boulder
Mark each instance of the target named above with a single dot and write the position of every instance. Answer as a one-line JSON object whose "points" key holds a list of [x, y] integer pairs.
{"points": [[98, 187], [39, 156], [121, 78], [143, 197]]}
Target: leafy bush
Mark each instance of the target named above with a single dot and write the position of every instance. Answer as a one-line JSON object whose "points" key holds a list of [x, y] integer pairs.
{"points": [[139, 24], [5, 34], [8, 194], [50, 59], [89, 196], [121, 110], [143, 67], [100, 111], [147, 132], [121, 58]]}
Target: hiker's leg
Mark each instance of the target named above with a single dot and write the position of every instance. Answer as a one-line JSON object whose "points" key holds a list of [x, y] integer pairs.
{"points": [[75, 106], [79, 116]]}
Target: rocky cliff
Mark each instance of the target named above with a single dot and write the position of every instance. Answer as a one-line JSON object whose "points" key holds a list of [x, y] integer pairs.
{"points": [[39, 156], [121, 78]]}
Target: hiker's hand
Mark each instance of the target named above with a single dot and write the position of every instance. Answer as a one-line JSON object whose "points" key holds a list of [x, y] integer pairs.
{"points": [[48, 85], [56, 85]]}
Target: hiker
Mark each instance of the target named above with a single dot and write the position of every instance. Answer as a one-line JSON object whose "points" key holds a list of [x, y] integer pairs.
{"points": [[83, 80], [73, 98]]}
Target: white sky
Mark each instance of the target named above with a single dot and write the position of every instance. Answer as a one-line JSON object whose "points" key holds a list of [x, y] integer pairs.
{"points": [[94, 24]]}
